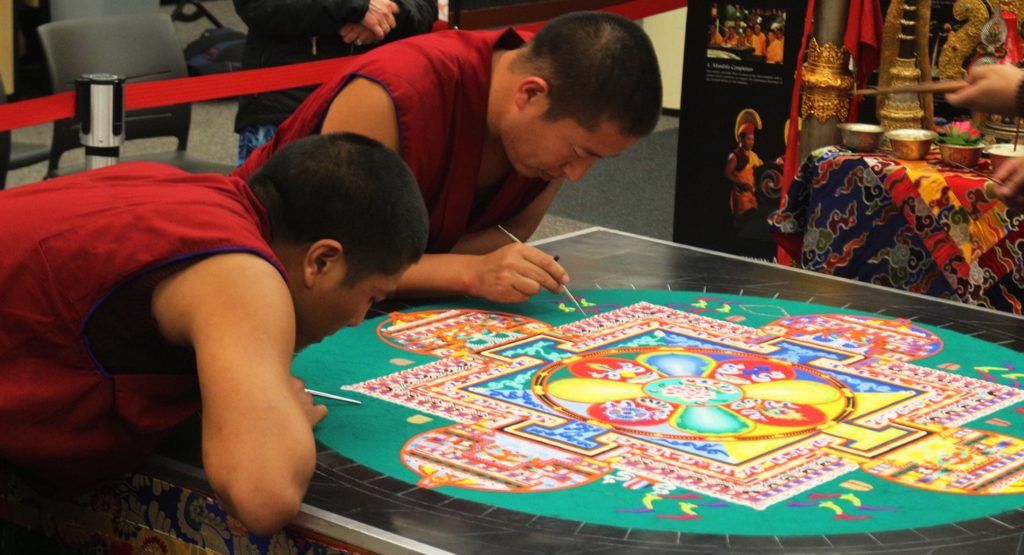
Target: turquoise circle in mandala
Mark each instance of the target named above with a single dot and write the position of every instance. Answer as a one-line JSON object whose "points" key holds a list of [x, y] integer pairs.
{"points": [[693, 391]]}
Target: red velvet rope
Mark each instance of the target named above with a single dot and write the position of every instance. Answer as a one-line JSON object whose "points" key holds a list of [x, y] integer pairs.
{"points": [[226, 85]]}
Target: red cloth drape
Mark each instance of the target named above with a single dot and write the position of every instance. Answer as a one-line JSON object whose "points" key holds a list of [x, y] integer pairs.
{"points": [[792, 159], [863, 40]]}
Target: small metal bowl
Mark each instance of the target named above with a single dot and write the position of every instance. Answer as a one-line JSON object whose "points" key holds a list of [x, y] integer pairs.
{"points": [[962, 156], [1000, 153], [861, 137], [910, 144]]}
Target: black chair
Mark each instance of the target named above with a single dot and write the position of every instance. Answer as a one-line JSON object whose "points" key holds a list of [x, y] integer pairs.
{"points": [[138, 47], [17, 154], [181, 13]]}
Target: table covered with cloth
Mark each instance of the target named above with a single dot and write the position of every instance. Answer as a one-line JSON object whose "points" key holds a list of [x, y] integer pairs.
{"points": [[921, 226]]}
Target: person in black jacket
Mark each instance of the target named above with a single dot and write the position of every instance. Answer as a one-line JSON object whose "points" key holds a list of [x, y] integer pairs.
{"points": [[293, 31]]}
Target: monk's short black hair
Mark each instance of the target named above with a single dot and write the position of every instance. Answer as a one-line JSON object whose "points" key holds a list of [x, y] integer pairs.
{"points": [[599, 67], [349, 188]]}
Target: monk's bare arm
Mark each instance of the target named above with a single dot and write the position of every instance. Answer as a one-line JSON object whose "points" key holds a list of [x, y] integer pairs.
{"points": [[481, 265], [522, 225], [366, 108], [491, 265], [258, 447]]}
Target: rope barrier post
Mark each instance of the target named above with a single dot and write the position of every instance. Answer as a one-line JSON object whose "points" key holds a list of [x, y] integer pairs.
{"points": [[99, 110]]}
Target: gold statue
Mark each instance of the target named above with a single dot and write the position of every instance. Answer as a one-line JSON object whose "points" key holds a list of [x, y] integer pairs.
{"points": [[905, 61], [986, 37]]}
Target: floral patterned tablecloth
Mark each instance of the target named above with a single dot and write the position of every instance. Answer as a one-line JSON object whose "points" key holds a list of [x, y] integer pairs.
{"points": [[139, 515], [920, 226]]}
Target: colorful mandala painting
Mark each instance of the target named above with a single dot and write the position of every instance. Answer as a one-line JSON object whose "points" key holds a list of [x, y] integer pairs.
{"points": [[677, 416]]}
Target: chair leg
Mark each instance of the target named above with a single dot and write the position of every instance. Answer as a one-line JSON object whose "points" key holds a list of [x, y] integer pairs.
{"points": [[179, 13]]}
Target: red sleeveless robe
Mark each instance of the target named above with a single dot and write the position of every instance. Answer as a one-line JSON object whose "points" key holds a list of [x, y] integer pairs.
{"points": [[68, 245], [439, 83]]}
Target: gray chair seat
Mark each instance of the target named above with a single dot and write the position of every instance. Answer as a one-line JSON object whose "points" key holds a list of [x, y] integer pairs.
{"points": [[141, 47], [26, 154]]}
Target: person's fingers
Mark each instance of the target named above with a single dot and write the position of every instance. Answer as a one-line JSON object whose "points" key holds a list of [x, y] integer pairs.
{"points": [[317, 413], [966, 96], [1010, 193], [1008, 169], [350, 33], [377, 29], [548, 272], [1017, 174], [1002, 174], [958, 97], [522, 289], [516, 271], [314, 413], [365, 36]]}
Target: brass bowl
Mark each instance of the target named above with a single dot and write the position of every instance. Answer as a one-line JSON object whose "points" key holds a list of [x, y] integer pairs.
{"points": [[861, 137], [1002, 152], [910, 144], [961, 155]]}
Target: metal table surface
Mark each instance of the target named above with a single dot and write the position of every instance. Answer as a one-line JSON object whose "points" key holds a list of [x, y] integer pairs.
{"points": [[365, 508]]}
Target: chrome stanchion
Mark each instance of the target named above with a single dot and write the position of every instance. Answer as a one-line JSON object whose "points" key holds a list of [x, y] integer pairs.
{"points": [[99, 110]]}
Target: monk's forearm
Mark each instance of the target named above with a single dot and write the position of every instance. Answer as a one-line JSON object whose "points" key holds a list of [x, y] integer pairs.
{"points": [[439, 274]]}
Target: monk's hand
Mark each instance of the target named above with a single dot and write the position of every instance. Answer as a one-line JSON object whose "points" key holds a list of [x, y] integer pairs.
{"points": [[514, 273], [314, 413], [1009, 183], [991, 88], [380, 18]]}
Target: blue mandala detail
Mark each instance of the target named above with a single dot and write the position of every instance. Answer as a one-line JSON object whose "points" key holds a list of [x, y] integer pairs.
{"points": [[712, 450], [523, 398], [542, 349], [676, 340], [866, 386], [574, 433], [799, 354]]}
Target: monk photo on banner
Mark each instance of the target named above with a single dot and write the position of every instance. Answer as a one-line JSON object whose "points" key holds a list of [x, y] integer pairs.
{"points": [[734, 115], [740, 166], [753, 34]]}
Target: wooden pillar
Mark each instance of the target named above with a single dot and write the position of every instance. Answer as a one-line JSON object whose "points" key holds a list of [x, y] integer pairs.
{"points": [[7, 44], [826, 78]]}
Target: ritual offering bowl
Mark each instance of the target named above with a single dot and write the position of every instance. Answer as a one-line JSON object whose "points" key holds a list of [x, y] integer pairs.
{"points": [[1002, 152], [910, 144], [861, 137], [965, 156]]}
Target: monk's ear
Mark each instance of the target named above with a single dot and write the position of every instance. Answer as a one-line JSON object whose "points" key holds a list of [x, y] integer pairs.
{"points": [[531, 89], [323, 259]]}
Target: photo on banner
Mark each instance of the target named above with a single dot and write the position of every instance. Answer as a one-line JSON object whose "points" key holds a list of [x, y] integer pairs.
{"points": [[738, 77]]}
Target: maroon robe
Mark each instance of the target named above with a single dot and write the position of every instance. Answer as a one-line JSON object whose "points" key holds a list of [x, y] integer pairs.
{"points": [[69, 245], [439, 83]]}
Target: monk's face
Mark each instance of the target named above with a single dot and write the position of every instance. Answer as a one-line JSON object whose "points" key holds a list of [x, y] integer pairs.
{"points": [[331, 304], [538, 146], [747, 140]]}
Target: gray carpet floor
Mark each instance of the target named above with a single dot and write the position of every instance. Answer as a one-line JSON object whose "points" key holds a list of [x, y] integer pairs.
{"points": [[633, 192]]}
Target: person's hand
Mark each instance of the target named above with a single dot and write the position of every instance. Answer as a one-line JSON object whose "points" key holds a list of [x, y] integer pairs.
{"points": [[1009, 183], [516, 272], [314, 413], [380, 18], [355, 33], [991, 88]]}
